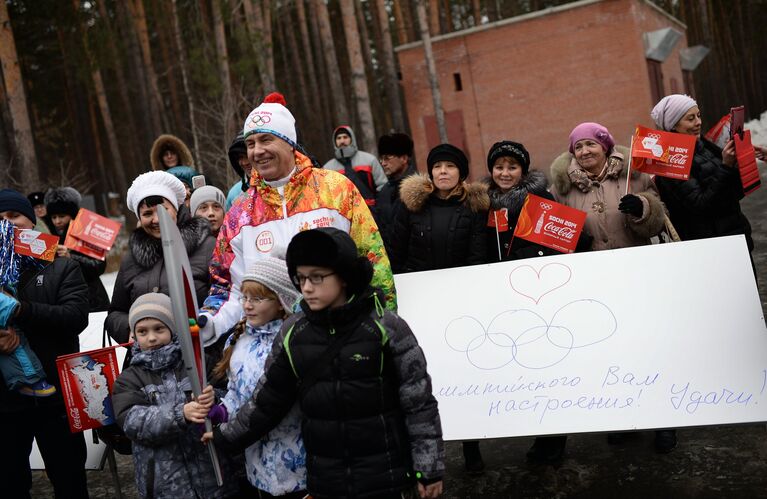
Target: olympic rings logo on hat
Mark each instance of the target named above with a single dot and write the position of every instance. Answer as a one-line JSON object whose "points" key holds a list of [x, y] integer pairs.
{"points": [[653, 135], [546, 206], [260, 120]]}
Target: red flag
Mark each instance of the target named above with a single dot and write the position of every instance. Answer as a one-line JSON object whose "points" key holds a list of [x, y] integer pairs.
{"points": [[35, 244], [91, 234], [499, 219], [720, 133], [550, 224], [749, 173], [662, 153]]}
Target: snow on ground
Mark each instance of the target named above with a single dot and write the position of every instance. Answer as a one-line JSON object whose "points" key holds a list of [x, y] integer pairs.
{"points": [[758, 129]]}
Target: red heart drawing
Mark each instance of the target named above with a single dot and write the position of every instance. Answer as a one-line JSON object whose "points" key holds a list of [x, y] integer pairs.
{"points": [[535, 284]]}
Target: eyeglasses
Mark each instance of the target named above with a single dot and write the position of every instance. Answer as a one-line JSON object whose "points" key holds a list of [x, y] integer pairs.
{"points": [[300, 280], [255, 300]]}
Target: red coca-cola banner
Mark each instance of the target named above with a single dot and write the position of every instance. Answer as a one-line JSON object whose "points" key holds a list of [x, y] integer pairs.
{"points": [[749, 173], [498, 219], [662, 153], [91, 234], [550, 224], [35, 244]]}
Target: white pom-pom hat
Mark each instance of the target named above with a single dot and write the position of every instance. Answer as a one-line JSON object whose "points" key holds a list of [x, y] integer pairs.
{"points": [[271, 116]]}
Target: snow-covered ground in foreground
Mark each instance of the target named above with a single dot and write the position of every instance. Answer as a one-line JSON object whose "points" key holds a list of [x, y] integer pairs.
{"points": [[758, 129]]}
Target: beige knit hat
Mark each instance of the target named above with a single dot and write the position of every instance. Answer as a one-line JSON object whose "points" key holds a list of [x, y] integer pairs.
{"points": [[152, 306], [273, 273]]}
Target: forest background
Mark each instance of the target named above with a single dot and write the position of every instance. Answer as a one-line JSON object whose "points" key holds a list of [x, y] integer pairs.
{"points": [[88, 85]]}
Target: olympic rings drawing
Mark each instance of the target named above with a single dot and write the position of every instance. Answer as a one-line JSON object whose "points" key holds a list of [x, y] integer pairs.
{"points": [[260, 120], [653, 135], [546, 206]]}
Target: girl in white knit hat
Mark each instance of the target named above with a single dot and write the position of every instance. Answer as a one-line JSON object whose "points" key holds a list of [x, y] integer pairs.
{"points": [[277, 463]]}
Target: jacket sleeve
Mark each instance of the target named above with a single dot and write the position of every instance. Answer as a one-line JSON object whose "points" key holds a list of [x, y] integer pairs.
{"points": [[364, 232], [701, 196], [90, 267], [272, 399], [116, 323], [416, 399], [478, 243], [400, 240], [379, 176], [143, 422], [67, 314], [199, 262]]}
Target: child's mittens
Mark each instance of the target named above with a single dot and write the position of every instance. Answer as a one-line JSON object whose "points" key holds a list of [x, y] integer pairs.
{"points": [[218, 414], [8, 305]]}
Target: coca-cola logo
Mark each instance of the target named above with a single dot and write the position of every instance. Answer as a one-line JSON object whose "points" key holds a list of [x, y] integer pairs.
{"points": [[559, 230], [678, 159], [101, 232]]}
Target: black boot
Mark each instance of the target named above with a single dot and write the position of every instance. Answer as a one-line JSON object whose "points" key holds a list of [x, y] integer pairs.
{"points": [[547, 450], [665, 441], [472, 457]]}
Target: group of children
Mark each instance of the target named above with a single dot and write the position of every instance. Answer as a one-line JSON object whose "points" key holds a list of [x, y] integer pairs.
{"points": [[333, 400]]}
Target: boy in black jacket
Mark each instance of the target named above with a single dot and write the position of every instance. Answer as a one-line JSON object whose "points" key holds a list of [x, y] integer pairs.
{"points": [[370, 422]]}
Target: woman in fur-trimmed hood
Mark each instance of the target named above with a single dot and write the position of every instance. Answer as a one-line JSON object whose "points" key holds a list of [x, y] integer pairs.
{"points": [[169, 151], [510, 181], [592, 177], [443, 224], [142, 269]]}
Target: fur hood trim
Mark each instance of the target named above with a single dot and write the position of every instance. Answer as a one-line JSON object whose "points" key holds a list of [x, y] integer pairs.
{"points": [[184, 155], [565, 172], [415, 191], [147, 250]]}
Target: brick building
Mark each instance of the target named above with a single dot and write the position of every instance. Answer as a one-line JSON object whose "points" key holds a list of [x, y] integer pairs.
{"points": [[532, 78]]}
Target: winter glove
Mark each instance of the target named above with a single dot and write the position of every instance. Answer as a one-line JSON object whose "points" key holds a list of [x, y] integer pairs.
{"points": [[218, 414], [207, 329], [631, 205], [8, 306]]}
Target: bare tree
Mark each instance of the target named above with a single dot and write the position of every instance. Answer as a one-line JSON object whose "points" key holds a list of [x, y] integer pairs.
{"points": [[390, 69], [222, 56], [259, 22], [136, 8], [436, 95], [17, 103], [185, 80], [331, 62]]}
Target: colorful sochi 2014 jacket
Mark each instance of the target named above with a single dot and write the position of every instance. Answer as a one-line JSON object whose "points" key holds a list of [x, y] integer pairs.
{"points": [[265, 220]]}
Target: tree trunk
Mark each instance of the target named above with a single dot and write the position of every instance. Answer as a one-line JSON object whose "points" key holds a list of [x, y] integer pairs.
{"points": [[6, 139], [342, 115], [17, 104], [136, 8], [122, 88], [185, 80], [262, 46], [433, 80], [298, 69], [315, 85], [106, 180], [492, 10], [358, 76], [167, 47], [390, 68], [433, 16], [476, 12], [322, 70], [403, 36], [222, 56]]}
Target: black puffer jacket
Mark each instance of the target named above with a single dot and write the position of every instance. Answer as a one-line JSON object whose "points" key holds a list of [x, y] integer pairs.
{"points": [[513, 200], [143, 270], [388, 205], [54, 311], [433, 233], [708, 203], [370, 419]]}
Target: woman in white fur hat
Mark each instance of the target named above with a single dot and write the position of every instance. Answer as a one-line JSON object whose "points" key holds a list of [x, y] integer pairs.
{"points": [[142, 269]]}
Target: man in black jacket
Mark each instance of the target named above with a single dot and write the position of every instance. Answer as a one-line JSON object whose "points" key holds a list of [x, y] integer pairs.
{"points": [[52, 310], [395, 152]]}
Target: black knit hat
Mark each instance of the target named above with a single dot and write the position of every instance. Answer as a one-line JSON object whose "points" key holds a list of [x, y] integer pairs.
{"points": [[332, 248], [13, 200], [36, 198], [396, 144], [448, 152], [63, 201], [511, 149]]}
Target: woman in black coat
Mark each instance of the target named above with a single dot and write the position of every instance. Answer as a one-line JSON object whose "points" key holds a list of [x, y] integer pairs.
{"points": [[442, 226], [142, 269], [443, 223], [511, 180]]}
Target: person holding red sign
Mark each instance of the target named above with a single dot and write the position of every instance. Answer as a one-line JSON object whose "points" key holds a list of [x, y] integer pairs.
{"points": [[511, 180], [592, 177], [708, 203]]}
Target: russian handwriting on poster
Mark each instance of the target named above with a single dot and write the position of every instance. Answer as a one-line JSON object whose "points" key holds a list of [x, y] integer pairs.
{"points": [[660, 336]]}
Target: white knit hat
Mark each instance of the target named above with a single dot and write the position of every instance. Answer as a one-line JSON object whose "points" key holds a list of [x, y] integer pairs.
{"points": [[155, 183], [152, 306], [271, 116], [204, 194], [273, 273]]}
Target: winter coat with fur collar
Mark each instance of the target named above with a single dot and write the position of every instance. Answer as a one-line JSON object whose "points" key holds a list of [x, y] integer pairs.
{"points": [[433, 233], [512, 201], [143, 270], [610, 228]]}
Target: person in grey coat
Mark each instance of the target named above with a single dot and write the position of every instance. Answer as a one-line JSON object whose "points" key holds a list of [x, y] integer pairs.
{"points": [[142, 269], [152, 405]]}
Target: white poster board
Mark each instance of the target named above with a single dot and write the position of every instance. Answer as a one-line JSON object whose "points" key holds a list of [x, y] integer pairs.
{"points": [[659, 336], [90, 339]]}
